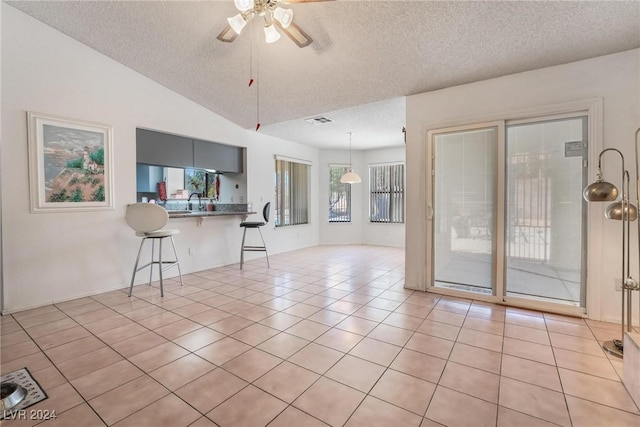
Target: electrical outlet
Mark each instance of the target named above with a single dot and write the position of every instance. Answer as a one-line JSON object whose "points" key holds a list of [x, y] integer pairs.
{"points": [[618, 284], [192, 251]]}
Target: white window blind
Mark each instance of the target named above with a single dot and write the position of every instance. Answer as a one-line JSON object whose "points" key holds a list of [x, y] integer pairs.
{"points": [[339, 195], [292, 193], [386, 191]]}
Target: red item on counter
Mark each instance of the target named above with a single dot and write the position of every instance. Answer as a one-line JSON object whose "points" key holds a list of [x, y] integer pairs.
{"points": [[162, 191]]}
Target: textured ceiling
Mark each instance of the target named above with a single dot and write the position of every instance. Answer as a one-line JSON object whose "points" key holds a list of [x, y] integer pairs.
{"points": [[366, 55]]}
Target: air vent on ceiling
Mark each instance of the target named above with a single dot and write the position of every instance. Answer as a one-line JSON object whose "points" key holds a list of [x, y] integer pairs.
{"points": [[322, 120]]}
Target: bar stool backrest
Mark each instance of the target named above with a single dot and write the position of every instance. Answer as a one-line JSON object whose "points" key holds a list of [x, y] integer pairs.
{"points": [[265, 211], [146, 217]]}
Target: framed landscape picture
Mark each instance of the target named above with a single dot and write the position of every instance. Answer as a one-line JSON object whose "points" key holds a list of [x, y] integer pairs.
{"points": [[70, 164]]}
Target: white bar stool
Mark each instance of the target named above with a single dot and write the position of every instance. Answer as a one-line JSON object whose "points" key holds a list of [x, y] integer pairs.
{"points": [[147, 220], [257, 224]]}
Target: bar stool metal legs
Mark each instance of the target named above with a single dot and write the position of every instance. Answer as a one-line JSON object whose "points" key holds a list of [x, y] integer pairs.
{"points": [[250, 248], [162, 265], [252, 224]]}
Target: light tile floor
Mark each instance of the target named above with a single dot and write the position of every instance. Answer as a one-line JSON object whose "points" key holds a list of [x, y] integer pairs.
{"points": [[327, 335]]}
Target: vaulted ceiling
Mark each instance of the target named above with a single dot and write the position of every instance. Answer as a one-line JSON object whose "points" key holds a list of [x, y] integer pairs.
{"points": [[366, 56]]}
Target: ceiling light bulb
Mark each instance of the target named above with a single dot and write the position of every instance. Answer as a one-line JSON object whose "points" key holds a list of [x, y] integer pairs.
{"points": [[271, 34], [244, 5], [237, 23], [284, 16]]}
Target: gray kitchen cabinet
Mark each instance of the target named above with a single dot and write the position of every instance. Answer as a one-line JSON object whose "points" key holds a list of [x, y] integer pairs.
{"points": [[219, 157], [163, 149]]}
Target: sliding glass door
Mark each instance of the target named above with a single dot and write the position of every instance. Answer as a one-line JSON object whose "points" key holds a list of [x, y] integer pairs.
{"points": [[508, 220], [545, 212], [464, 200]]}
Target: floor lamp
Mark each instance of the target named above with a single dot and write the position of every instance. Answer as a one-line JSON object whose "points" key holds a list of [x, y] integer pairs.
{"points": [[623, 210], [635, 286]]}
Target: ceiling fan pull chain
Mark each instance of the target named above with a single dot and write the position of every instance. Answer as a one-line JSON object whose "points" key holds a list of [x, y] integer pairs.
{"points": [[257, 87], [250, 55]]}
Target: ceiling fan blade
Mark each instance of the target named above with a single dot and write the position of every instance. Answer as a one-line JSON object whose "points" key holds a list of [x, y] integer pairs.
{"points": [[296, 34], [227, 35]]}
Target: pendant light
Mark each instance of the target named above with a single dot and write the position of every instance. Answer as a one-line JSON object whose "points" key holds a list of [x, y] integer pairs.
{"points": [[350, 177]]}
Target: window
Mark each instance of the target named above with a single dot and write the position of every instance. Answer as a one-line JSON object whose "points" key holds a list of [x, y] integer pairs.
{"points": [[386, 185], [201, 182], [292, 192], [339, 195]]}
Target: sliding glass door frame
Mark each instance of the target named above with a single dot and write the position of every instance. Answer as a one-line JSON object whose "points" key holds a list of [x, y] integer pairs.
{"points": [[590, 109], [543, 305], [498, 220]]}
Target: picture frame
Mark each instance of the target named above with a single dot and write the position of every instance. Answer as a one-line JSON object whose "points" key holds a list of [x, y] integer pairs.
{"points": [[70, 164]]}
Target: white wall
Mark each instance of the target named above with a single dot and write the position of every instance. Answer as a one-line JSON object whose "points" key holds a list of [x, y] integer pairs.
{"points": [[359, 230], [615, 79], [57, 256]]}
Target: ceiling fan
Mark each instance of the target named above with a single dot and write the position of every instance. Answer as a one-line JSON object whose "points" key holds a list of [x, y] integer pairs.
{"points": [[273, 15]]}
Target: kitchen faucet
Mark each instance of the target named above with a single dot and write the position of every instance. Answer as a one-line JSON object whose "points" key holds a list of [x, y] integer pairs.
{"points": [[190, 206]]}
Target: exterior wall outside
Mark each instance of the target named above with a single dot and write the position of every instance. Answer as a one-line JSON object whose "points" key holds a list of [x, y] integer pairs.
{"points": [[49, 257], [613, 79]]}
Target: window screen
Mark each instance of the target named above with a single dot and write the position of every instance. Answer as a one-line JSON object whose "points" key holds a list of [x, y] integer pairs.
{"points": [[339, 195], [386, 189], [292, 193]]}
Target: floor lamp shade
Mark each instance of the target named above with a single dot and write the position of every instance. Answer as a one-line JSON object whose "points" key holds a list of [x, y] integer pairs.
{"points": [[615, 211], [600, 191]]}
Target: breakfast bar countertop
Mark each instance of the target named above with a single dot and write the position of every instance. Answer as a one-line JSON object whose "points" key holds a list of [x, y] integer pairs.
{"points": [[187, 214]]}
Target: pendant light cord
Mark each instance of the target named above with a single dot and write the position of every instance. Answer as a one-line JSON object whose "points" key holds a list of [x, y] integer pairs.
{"points": [[250, 55], [254, 51], [350, 164]]}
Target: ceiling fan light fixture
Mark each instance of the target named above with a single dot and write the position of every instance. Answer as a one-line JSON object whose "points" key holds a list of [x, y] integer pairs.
{"points": [[272, 14], [271, 35], [284, 16], [237, 23], [244, 5]]}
